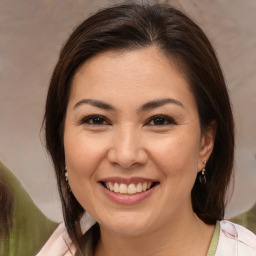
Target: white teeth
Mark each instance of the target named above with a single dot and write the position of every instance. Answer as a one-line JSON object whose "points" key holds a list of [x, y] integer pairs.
{"points": [[111, 187], [123, 189], [139, 188], [128, 189], [131, 189], [144, 186], [107, 185], [116, 188]]}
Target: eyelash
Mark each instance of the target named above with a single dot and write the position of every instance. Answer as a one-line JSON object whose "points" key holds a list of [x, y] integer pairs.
{"points": [[166, 119], [88, 119], [101, 120]]}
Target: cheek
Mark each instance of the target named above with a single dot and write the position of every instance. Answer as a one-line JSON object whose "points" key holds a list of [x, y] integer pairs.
{"points": [[176, 155], [82, 153], [177, 161]]}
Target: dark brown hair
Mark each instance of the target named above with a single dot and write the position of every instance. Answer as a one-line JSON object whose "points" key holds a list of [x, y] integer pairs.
{"points": [[134, 26], [6, 209]]}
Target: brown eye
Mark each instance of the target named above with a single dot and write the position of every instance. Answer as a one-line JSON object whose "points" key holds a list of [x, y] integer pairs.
{"points": [[94, 120], [160, 120]]}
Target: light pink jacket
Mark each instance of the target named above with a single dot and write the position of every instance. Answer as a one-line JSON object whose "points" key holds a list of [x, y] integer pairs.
{"points": [[234, 240]]}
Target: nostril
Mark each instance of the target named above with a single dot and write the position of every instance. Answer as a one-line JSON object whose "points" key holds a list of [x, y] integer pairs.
{"points": [[127, 159]]}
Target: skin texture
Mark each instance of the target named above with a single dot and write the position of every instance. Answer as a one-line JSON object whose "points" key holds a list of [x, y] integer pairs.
{"points": [[127, 142]]}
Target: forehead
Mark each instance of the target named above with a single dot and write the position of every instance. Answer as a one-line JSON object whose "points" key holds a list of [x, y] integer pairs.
{"points": [[142, 73]]}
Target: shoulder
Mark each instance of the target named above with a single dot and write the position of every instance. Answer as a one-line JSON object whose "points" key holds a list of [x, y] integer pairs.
{"points": [[247, 219], [235, 240], [59, 243], [238, 231]]}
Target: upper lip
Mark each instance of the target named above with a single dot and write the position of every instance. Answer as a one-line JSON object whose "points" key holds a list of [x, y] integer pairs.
{"points": [[127, 181]]}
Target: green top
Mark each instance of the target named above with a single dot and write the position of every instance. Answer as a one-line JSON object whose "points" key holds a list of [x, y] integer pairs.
{"points": [[215, 239], [31, 228]]}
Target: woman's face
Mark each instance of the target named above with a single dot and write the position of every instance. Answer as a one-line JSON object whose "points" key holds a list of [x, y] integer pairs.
{"points": [[132, 139]]}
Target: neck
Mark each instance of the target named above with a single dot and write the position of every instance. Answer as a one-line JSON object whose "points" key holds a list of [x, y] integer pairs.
{"points": [[181, 236]]}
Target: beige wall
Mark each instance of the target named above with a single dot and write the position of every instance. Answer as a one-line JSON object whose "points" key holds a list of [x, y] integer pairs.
{"points": [[31, 34]]}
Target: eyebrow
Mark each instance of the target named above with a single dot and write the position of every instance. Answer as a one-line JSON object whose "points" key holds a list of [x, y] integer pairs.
{"points": [[95, 103], [158, 103], [145, 107]]}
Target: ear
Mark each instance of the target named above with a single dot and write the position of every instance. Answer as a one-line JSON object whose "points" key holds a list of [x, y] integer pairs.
{"points": [[207, 144]]}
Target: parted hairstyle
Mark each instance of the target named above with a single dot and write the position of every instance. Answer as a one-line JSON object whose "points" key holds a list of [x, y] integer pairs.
{"points": [[127, 28]]}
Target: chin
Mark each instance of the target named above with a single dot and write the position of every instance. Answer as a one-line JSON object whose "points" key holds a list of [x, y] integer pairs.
{"points": [[127, 226]]}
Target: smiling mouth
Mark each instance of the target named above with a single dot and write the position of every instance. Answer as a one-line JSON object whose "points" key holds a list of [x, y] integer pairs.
{"points": [[128, 189]]}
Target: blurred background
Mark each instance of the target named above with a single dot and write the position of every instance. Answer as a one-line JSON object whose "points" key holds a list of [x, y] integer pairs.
{"points": [[31, 35]]}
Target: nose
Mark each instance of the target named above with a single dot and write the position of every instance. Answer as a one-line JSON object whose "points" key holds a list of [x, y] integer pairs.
{"points": [[127, 149]]}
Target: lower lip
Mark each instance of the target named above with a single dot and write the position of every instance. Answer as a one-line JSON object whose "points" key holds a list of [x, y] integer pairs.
{"points": [[128, 199]]}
